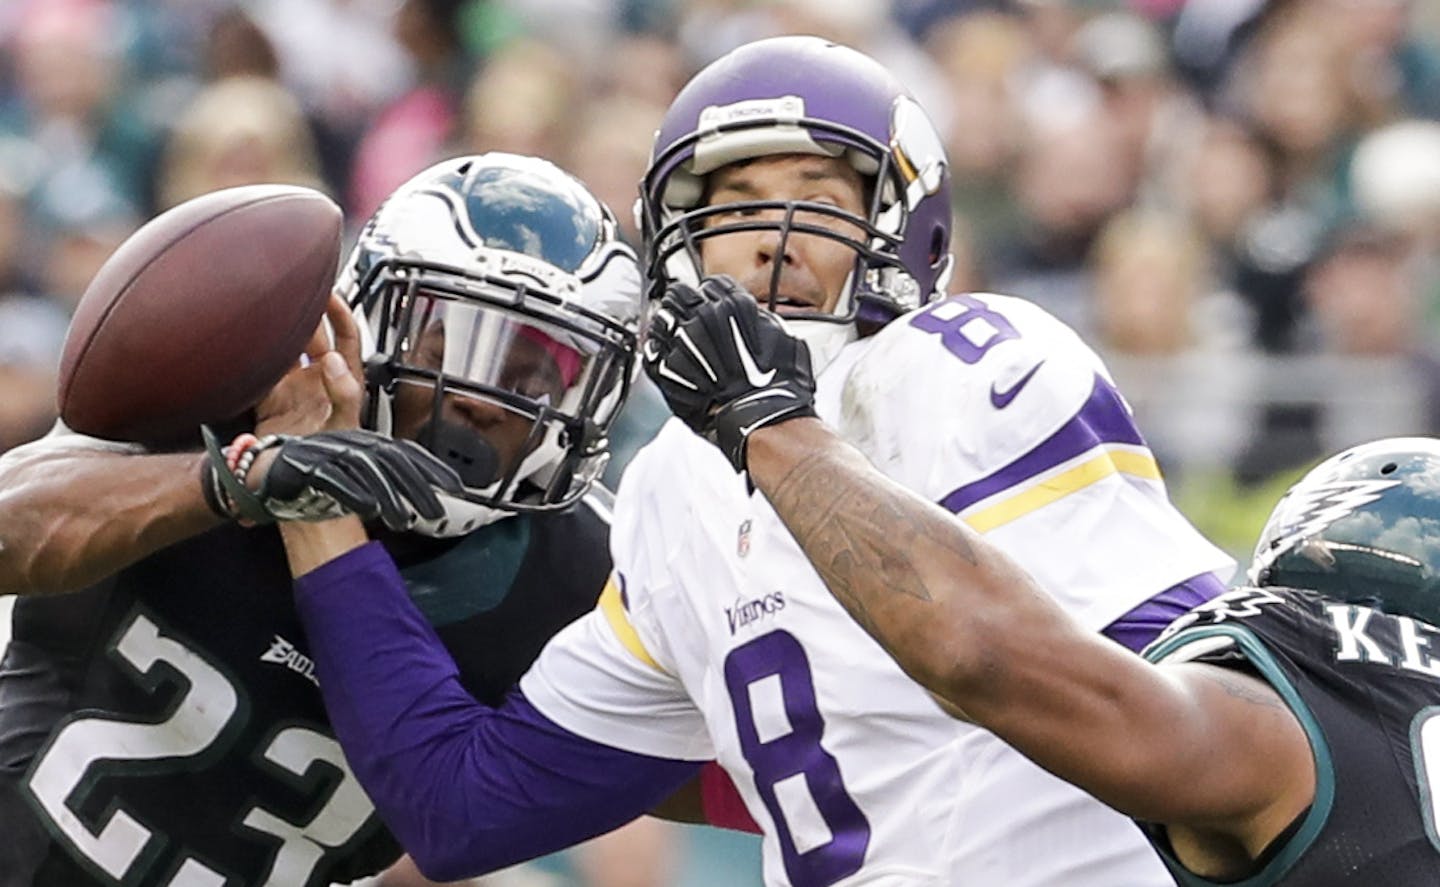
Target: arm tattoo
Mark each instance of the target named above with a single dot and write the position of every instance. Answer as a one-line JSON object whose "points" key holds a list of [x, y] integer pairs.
{"points": [[1239, 688], [867, 545]]}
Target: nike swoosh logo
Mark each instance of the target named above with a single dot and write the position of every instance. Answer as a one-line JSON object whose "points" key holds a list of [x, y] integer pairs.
{"points": [[651, 351], [747, 363], [1000, 399]]}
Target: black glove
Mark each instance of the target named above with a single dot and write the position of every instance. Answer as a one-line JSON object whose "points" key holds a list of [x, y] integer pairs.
{"points": [[724, 365], [325, 475]]}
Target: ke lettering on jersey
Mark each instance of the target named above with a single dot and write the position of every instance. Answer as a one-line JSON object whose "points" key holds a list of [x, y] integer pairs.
{"points": [[1366, 635], [1361, 634]]}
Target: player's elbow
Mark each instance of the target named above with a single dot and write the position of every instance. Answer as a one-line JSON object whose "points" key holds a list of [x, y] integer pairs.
{"points": [[434, 812], [442, 864], [446, 850], [971, 658], [945, 656], [442, 849]]}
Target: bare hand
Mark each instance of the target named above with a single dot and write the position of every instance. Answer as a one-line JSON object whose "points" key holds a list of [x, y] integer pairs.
{"points": [[308, 399]]}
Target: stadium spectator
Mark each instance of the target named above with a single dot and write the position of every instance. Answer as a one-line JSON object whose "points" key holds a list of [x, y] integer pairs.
{"points": [[522, 100], [238, 131], [1067, 185], [32, 329], [1365, 296], [418, 126], [1178, 344], [68, 98]]}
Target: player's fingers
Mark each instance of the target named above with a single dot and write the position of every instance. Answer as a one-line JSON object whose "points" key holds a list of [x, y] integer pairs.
{"points": [[337, 481], [344, 389], [345, 332], [410, 482], [319, 341], [383, 483], [436, 472]]}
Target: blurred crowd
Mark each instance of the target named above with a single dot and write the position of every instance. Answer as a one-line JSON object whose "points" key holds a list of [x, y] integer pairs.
{"points": [[1236, 201]]}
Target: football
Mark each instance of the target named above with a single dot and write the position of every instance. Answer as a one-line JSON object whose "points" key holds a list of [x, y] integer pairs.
{"points": [[199, 313]]}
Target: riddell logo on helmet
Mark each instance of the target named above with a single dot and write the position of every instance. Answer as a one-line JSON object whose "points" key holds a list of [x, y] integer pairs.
{"points": [[510, 264], [790, 107]]}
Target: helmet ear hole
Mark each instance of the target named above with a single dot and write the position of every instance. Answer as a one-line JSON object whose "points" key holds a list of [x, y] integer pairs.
{"points": [[939, 243], [1389, 468]]}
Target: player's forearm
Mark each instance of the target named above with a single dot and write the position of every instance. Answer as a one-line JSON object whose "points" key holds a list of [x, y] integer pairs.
{"points": [[972, 627], [466, 788], [878, 548], [309, 545], [944, 603], [69, 518]]}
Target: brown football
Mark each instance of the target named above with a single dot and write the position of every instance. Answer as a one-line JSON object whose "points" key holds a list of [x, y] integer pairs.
{"points": [[199, 313]]}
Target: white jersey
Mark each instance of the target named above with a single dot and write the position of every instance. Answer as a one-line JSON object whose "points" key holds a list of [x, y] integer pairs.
{"points": [[718, 639]]}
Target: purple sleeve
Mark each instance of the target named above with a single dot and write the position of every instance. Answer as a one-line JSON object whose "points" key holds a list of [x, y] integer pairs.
{"points": [[467, 789], [1144, 623]]}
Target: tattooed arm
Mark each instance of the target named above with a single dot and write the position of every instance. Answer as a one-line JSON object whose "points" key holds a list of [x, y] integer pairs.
{"points": [[972, 627], [1212, 754]]}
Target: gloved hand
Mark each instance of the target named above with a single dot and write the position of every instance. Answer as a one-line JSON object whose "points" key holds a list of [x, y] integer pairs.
{"points": [[324, 475], [725, 366]]}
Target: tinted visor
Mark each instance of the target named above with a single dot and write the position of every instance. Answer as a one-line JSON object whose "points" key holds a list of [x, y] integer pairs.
{"points": [[498, 341], [481, 349]]}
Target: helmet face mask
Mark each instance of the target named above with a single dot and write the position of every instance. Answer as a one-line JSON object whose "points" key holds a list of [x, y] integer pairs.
{"points": [[1362, 527], [799, 96], [499, 312]]}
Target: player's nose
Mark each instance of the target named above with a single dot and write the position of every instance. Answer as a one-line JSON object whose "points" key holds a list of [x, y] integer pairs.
{"points": [[477, 413], [771, 246]]}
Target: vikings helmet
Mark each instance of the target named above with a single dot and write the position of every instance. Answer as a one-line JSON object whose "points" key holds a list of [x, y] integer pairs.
{"points": [[1363, 527], [805, 95], [497, 282]]}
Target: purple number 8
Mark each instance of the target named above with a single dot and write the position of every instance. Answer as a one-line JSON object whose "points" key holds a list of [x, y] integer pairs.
{"points": [[949, 319], [796, 753]]}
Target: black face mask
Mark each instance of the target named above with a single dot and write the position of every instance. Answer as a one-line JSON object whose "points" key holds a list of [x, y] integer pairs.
{"points": [[460, 447]]}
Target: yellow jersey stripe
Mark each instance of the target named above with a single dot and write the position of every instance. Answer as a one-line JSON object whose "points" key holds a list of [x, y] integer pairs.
{"points": [[1063, 484], [614, 611]]}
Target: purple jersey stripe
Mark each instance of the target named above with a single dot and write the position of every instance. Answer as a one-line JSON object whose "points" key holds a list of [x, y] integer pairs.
{"points": [[1103, 418], [467, 789], [1144, 623]]}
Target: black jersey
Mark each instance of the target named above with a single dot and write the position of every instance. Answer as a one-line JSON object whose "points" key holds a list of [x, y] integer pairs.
{"points": [[166, 726], [1365, 686]]}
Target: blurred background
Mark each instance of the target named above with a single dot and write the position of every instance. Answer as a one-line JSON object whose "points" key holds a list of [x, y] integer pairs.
{"points": [[1236, 201]]}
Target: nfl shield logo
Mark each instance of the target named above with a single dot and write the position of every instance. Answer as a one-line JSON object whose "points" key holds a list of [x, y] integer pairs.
{"points": [[742, 541]]}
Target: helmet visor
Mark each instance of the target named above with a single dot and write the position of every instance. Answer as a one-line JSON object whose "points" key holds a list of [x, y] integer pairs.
{"points": [[483, 350]]}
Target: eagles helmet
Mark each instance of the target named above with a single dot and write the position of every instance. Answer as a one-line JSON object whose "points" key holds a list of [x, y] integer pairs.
{"points": [[494, 294], [788, 95], [1363, 527]]}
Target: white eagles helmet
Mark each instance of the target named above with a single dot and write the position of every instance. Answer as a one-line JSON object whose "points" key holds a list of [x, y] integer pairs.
{"points": [[499, 283]]}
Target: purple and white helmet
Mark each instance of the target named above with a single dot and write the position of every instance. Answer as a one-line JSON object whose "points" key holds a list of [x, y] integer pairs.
{"points": [[805, 95]]}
